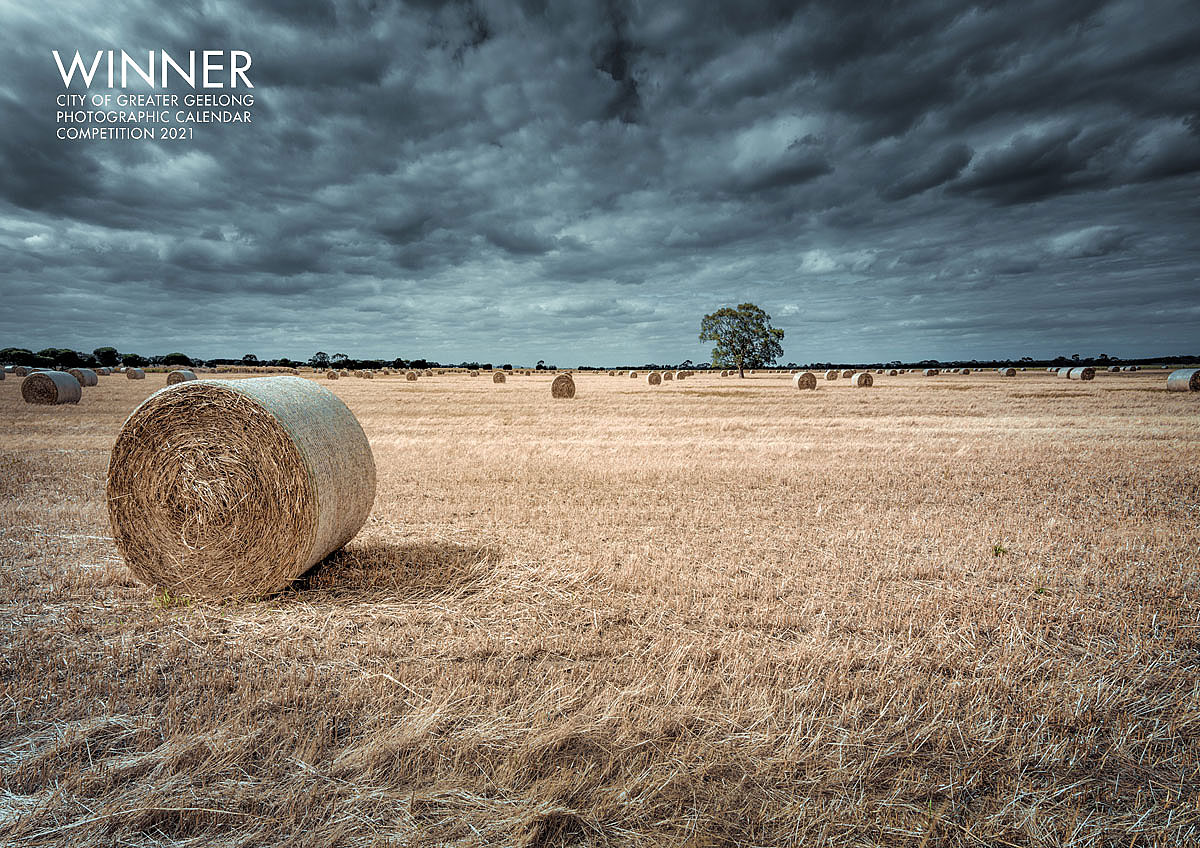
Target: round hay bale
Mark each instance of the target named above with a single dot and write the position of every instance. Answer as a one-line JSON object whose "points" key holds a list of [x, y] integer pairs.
{"points": [[893, 373], [930, 372], [1007, 372], [654, 378], [862, 380], [563, 386], [846, 375], [180, 376], [878, 370], [805, 380], [1085, 373], [633, 375], [22, 371], [1184, 380], [331, 375], [230, 489], [428, 372], [498, 377], [410, 376], [832, 375], [368, 375], [474, 373], [680, 376], [50, 388], [135, 374], [668, 375], [1113, 369], [1064, 373]]}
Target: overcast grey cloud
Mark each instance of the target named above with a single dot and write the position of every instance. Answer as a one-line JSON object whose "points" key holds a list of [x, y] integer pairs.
{"points": [[580, 182]]}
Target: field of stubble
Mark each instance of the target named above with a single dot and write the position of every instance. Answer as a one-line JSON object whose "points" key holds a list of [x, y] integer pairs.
{"points": [[943, 611]]}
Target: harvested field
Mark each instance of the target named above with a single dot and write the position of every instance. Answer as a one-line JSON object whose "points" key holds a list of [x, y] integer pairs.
{"points": [[942, 612]]}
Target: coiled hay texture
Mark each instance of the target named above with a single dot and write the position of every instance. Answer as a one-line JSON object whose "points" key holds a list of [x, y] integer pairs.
{"points": [[805, 380], [498, 377], [654, 378], [1087, 373], [51, 388], [234, 489], [668, 375], [331, 375], [85, 376], [846, 375], [832, 375], [1184, 380], [135, 374], [862, 380], [180, 376], [930, 372], [410, 376], [563, 386], [1007, 372]]}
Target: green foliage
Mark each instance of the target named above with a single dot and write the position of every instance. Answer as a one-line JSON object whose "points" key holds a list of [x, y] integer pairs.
{"points": [[744, 337], [999, 550], [166, 600], [176, 359], [106, 356], [133, 360]]}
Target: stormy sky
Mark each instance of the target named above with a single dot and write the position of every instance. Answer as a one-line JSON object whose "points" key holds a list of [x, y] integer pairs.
{"points": [[581, 182]]}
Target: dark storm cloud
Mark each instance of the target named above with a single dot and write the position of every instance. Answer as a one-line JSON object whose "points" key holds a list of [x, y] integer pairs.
{"points": [[581, 181]]}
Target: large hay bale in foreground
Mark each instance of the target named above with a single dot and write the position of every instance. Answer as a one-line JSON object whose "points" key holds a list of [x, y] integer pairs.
{"points": [[50, 388], [805, 380], [498, 377], [180, 376], [832, 375], [135, 374], [654, 378], [1085, 373], [862, 380], [563, 386], [1007, 372], [1184, 380], [229, 489], [85, 376], [410, 376]]}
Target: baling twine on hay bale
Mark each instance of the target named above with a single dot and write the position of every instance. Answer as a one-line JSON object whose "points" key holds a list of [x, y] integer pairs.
{"points": [[230, 489], [563, 386], [805, 380], [862, 380], [1184, 380], [85, 376], [50, 388], [181, 376], [135, 374]]}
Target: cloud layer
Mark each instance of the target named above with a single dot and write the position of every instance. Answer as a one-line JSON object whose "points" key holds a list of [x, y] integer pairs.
{"points": [[581, 182]]}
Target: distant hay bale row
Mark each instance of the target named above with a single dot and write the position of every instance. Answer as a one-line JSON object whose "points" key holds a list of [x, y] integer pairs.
{"points": [[805, 380], [135, 374], [181, 376], [1184, 380], [228, 489], [563, 386], [50, 388]]}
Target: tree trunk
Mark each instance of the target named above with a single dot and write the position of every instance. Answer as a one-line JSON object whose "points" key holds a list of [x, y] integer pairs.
{"points": [[741, 371]]}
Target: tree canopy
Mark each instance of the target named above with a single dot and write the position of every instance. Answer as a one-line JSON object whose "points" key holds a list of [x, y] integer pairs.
{"points": [[744, 338]]}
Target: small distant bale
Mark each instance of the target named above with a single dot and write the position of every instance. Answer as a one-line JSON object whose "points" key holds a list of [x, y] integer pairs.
{"points": [[654, 378], [1114, 369], [847, 374], [893, 373], [135, 374], [368, 375], [563, 386], [181, 376], [862, 380], [410, 376], [878, 370], [668, 375], [50, 388], [474, 373], [805, 380], [498, 377], [930, 372], [428, 372], [331, 375], [1085, 373], [22, 371], [633, 375], [1184, 380], [85, 376], [832, 375], [1064, 373], [1007, 372]]}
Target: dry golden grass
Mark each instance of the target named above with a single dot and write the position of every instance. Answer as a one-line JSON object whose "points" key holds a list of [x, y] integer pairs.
{"points": [[949, 611]]}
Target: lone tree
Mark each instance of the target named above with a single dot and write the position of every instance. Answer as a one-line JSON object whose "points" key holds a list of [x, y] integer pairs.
{"points": [[744, 338]]}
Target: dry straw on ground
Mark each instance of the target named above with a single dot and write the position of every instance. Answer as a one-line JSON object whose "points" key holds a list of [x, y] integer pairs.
{"points": [[50, 388], [232, 489], [1184, 380], [654, 378], [85, 376], [135, 374], [805, 380], [862, 380], [181, 376], [563, 386], [498, 377]]}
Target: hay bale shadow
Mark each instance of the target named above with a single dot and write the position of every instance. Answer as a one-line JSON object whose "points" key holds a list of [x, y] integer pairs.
{"points": [[413, 571]]}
